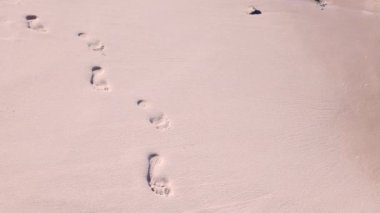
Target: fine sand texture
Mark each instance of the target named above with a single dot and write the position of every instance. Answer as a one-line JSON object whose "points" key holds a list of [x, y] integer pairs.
{"points": [[190, 106]]}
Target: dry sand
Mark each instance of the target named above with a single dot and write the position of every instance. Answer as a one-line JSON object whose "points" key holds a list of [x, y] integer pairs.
{"points": [[189, 106]]}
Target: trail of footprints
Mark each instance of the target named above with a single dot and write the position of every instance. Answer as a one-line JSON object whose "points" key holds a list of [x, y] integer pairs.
{"points": [[98, 80], [160, 185]]}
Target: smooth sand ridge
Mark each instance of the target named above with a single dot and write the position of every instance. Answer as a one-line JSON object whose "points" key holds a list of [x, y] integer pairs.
{"points": [[189, 106]]}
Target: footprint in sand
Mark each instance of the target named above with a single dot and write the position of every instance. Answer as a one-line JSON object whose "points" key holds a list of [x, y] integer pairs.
{"points": [[321, 3], [93, 44], [143, 104], [33, 23], [98, 80], [158, 119], [158, 184]]}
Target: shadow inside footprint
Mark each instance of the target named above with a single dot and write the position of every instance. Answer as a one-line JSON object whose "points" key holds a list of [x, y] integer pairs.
{"points": [[96, 68], [149, 175], [81, 34], [30, 17], [142, 103]]}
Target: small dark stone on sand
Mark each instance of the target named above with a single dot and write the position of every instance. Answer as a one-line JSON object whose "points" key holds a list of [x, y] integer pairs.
{"points": [[255, 12]]}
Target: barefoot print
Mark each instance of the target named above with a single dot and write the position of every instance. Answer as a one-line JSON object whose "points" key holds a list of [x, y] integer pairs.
{"points": [[98, 80], [33, 23], [93, 44], [158, 184], [156, 118]]}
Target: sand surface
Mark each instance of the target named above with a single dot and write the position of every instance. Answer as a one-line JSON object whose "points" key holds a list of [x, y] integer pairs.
{"points": [[190, 106]]}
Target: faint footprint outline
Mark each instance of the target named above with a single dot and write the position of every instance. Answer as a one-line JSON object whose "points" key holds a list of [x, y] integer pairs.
{"points": [[157, 183], [159, 120], [156, 118], [321, 3], [93, 44]]}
